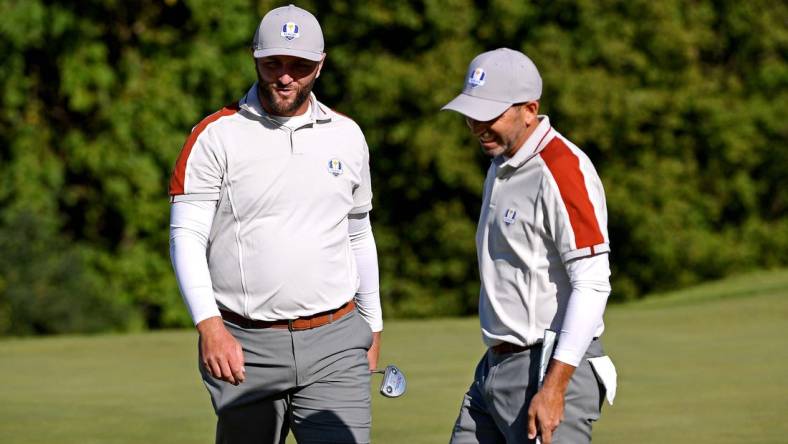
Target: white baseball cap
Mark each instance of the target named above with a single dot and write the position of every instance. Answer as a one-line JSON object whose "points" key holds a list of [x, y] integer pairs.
{"points": [[289, 30], [495, 81]]}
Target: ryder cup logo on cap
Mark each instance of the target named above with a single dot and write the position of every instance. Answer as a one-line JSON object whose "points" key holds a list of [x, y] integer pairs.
{"points": [[290, 31], [509, 216], [476, 78], [335, 167], [495, 81]]}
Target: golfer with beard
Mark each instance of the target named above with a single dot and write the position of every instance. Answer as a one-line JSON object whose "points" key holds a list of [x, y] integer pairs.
{"points": [[274, 254]]}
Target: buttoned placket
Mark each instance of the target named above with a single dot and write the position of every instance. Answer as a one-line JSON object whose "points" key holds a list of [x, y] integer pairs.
{"points": [[291, 131], [261, 114], [503, 173]]}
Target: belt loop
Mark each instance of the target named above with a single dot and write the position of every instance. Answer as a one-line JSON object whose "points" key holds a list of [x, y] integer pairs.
{"points": [[290, 324], [330, 318]]}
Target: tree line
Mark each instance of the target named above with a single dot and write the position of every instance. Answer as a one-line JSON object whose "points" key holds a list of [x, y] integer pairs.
{"points": [[681, 106]]}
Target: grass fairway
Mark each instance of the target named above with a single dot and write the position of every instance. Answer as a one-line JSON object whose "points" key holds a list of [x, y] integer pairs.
{"points": [[706, 365]]}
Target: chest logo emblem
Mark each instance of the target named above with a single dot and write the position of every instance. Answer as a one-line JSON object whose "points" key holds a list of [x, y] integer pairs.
{"points": [[335, 167], [509, 216], [290, 31], [476, 78]]}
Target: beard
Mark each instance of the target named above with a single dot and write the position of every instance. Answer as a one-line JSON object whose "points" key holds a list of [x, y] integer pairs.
{"points": [[283, 107], [494, 152]]}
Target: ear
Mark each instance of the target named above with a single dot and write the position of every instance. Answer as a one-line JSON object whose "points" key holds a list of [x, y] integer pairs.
{"points": [[531, 112], [320, 65]]}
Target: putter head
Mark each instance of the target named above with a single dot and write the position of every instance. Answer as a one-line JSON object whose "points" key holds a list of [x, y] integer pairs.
{"points": [[393, 384]]}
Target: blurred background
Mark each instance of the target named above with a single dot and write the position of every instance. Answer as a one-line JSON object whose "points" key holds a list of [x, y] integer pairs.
{"points": [[681, 105]]}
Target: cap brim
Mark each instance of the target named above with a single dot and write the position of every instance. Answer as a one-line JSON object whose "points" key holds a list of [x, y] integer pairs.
{"points": [[309, 55], [477, 108]]}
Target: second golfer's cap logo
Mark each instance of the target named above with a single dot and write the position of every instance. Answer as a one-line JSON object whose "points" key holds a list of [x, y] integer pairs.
{"points": [[290, 31], [477, 77]]}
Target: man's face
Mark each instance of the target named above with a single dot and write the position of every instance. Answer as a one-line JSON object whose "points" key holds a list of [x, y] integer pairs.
{"points": [[506, 133], [285, 83]]}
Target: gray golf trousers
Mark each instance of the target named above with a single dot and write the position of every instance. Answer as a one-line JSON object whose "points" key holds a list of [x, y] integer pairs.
{"points": [[315, 382], [495, 408]]}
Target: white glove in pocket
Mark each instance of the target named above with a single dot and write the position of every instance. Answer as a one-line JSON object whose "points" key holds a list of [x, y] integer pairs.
{"points": [[606, 372]]}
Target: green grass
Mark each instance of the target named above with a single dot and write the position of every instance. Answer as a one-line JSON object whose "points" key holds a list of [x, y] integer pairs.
{"points": [[705, 365]]}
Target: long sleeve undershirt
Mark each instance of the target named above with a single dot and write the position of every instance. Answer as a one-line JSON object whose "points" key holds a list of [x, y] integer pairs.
{"points": [[590, 278], [190, 226], [364, 249]]}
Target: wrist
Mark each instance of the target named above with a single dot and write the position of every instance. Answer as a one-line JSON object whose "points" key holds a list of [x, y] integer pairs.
{"points": [[210, 325], [558, 376]]}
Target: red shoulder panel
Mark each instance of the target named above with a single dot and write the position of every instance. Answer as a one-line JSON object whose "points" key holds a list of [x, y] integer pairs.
{"points": [[565, 168], [179, 173]]}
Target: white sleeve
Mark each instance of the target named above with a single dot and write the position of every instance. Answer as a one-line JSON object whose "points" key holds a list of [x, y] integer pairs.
{"points": [[590, 278], [190, 225], [363, 244], [362, 194]]}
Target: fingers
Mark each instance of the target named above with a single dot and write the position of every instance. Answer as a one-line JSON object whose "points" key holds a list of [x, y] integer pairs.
{"points": [[223, 357], [232, 365], [372, 357], [541, 421], [547, 428], [547, 435], [531, 424], [227, 374], [227, 370], [237, 366], [239, 375], [213, 368]]}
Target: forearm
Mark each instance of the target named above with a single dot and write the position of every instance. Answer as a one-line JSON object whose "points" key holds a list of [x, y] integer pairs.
{"points": [[583, 317], [558, 376], [190, 224], [362, 242]]}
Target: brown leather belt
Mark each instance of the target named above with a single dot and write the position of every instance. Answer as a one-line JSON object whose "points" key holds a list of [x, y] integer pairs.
{"points": [[302, 323], [506, 347]]}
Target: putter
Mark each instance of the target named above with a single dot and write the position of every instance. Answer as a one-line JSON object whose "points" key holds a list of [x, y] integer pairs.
{"points": [[548, 344], [393, 384]]}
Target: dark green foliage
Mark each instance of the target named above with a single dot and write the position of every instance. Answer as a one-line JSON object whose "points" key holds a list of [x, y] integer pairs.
{"points": [[681, 105], [49, 286]]}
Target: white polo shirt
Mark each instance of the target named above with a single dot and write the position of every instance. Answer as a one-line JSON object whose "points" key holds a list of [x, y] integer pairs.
{"points": [[278, 247], [541, 208]]}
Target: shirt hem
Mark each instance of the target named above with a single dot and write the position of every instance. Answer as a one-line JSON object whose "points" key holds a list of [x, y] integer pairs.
{"points": [[194, 197], [593, 250], [361, 209]]}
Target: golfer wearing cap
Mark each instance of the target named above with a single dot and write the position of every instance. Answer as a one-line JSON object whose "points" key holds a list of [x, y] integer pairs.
{"points": [[542, 248], [274, 254]]}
